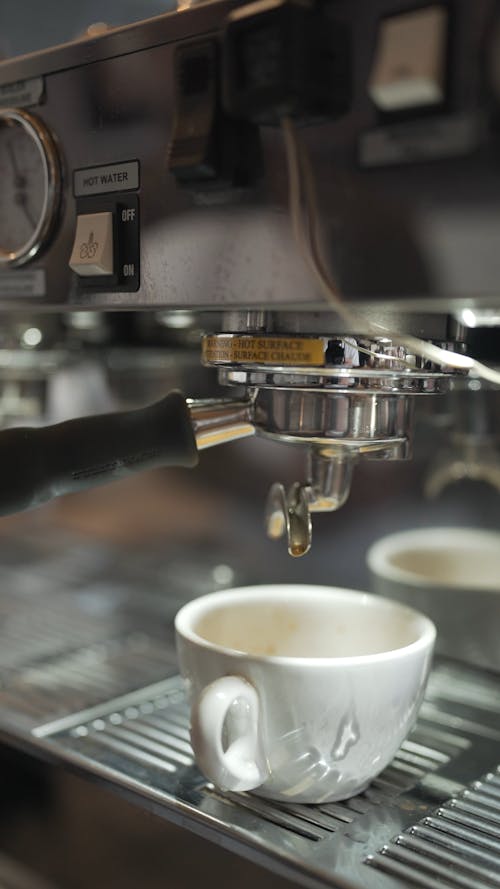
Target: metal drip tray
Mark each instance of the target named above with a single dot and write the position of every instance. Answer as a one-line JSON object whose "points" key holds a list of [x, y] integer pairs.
{"points": [[431, 819], [88, 678]]}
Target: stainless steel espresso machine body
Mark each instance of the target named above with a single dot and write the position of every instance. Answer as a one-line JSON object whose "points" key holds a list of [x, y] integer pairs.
{"points": [[148, 169], [315, 187]]}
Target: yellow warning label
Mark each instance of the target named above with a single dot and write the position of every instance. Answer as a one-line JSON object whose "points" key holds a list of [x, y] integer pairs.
{"points": [[287, 351]]}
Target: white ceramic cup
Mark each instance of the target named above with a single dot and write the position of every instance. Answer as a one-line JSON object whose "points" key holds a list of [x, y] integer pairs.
{"points": [[300, 693], [453, 576]]}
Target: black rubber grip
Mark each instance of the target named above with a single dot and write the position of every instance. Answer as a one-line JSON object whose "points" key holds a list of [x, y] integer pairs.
{"points": [[38, 464]]}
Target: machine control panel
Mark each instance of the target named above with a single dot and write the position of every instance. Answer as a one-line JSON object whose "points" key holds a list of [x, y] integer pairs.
{"points": [[393, 101]]}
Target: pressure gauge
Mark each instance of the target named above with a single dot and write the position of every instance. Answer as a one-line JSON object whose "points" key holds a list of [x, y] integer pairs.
{"points": [[29, 186]]}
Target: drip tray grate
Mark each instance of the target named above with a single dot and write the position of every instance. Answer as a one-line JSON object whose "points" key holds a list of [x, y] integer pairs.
{"points": [[458, 845], [426, 820], [85, 677]]}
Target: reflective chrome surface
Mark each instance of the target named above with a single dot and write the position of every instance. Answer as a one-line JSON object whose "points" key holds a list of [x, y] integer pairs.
{"points": [[30, 185], [338, 429], [329, 476], [217, 421], [401, 233], [457, 845], [342, 396], [362, 421], [140, 743]]}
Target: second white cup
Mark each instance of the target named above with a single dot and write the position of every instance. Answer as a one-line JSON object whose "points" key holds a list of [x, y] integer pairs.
{"points": [[453, 576]]}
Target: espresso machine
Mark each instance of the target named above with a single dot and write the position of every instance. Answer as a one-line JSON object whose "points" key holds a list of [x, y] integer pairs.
{"points": [[306, 194]]}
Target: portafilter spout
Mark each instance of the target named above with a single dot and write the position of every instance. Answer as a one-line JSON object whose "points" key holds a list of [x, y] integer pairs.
{"points": [[288, 513]]}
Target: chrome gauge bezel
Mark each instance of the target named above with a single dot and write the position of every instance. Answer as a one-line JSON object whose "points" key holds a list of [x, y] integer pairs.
{"points": [[41, 137]]}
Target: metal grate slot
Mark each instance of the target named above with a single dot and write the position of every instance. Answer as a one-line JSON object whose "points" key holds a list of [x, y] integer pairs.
{"points": [[434, 758], [419, 763], [302, 826], [407, 875], [341, 812], [134, 753], [478, 690], [483, 796], [164, 750], [434, 714], [462, 846], [459, 844], [479, 864], [357, 805], [436, 739], [170, 727], [322, 816], [486, 792], [168, 737], [464, 833], [488, 813], [472, 821], [392, 781]]}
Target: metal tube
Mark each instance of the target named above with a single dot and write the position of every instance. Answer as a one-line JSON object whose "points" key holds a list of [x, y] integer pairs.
{"points": [[216, 421]]}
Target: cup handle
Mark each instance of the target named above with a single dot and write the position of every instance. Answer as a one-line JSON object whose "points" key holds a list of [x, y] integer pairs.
{"points": [[242, 766]]}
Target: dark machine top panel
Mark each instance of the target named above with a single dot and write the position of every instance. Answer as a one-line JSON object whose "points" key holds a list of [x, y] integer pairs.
{"points": [[146, 168]]}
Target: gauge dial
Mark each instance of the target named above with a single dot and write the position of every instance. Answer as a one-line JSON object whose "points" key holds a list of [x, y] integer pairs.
{"points": [[29, 186]]}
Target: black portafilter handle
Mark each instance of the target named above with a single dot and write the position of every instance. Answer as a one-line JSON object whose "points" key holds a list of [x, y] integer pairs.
{"points": [[37, 464]]}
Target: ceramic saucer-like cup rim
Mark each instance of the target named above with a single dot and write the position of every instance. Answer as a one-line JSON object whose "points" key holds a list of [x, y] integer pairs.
{"points": [[381, 554]]}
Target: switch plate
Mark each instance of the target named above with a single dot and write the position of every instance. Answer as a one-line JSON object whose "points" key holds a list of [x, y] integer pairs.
{"points": [[125, 211], [409, 70], [93, 253]]}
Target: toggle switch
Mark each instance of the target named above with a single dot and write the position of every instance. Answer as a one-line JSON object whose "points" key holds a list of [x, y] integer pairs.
{"points": [[93, 252], [208, 151], [410, 61]]}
